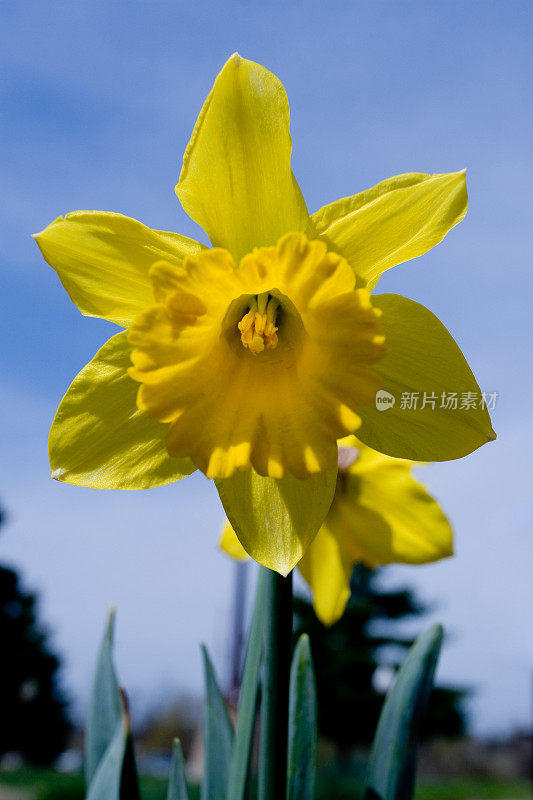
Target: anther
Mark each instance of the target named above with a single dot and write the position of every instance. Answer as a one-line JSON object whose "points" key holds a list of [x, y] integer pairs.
{"points": [[257, 327]]}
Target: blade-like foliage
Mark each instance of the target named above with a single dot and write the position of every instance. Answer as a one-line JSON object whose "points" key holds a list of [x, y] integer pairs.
{"points": [[106, 782], [218, 737], [116, 776], [302, 725], [391, 774], [248, 697], [177, 786], [105, 707]]}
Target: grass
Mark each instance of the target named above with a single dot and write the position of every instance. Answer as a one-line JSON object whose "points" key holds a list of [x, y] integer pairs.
{"points": [[474, 789], [49, 785]]}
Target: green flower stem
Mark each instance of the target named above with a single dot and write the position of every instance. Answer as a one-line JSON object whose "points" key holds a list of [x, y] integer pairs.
{"points": [[275, 692]]}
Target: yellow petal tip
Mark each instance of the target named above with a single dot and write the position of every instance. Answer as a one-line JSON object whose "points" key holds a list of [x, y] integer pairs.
{"points": [[282, 571]]}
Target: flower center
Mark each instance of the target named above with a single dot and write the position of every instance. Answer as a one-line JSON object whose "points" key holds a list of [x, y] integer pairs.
{"points": [[258, 326]]}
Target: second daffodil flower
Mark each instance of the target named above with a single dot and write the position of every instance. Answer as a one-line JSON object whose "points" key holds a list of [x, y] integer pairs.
{"points": [[250, 359], [380, 514]]}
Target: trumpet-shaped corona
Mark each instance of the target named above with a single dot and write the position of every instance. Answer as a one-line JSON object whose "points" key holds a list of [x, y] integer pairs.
{"points": [[261, 364]]}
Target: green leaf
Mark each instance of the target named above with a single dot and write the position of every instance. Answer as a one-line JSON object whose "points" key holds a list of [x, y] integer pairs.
{"points": [[276, 520], [391, 774], [106, 782], [116, 777], [248, 696], [302, 724], [105, 711], [177, 786], [218, 737]]}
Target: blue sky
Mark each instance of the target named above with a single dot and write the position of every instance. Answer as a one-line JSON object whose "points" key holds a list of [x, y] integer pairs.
{"points": [[99, 99]]}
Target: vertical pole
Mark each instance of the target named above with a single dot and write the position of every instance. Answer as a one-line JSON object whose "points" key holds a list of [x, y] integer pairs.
{"points": [[237, 645]]}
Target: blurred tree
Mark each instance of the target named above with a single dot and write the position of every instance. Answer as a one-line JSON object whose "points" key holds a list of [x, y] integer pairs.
{"points": [[33, 711], [349, 658]]}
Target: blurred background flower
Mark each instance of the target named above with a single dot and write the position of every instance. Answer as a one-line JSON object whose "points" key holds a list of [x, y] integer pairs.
{"points": [[379, 515]]}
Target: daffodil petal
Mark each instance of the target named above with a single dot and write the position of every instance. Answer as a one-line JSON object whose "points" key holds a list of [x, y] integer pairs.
{"points": [[327, 570], [399, 219], [386, 516], [100, 439], [423, 358], [103, 259], [276, 520], [236, 181], [230, 544]]}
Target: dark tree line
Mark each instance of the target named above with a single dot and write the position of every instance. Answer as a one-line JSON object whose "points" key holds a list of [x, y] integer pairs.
{"points": [[33, 717]]}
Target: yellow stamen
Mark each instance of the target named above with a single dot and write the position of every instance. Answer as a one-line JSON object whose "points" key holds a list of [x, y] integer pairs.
{"points": [[257, 327]]}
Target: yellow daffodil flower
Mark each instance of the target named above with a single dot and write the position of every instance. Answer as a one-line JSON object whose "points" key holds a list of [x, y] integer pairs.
{"points": [[248, 360], [380, 515]]}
